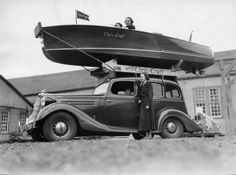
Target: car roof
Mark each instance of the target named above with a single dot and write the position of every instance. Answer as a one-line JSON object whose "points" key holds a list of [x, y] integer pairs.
{"points": [[151, 79]]}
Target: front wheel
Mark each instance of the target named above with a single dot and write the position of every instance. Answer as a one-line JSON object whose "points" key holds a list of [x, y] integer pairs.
{"points": [[172, 128], [60, 126]]}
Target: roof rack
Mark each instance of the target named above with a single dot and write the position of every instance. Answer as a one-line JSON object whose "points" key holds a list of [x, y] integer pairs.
{"points": [[111, 69]]}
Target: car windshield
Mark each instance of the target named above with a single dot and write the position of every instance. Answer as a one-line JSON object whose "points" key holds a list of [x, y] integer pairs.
{"points": [[101, 89]]}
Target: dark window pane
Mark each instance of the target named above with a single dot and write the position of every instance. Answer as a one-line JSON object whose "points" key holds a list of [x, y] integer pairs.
{"points": [[171, 91], [157, 90], [123, 88]]}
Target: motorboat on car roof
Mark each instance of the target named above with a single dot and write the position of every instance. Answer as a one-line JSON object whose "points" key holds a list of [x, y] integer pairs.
{"points": [[90, 45]]}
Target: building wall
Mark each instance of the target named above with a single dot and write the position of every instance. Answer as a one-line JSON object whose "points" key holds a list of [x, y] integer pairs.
{"points": [[15, 115], [188, 87], [8, 97], [233, 98], [12, 104]]}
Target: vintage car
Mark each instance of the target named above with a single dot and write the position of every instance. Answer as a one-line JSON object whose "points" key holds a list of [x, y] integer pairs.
{"points": [[112, 110]]}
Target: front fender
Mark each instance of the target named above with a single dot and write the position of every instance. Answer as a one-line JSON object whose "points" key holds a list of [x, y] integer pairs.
{"points": [[84, 120], [189, 124]]}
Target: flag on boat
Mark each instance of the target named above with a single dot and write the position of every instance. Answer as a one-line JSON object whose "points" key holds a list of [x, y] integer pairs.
{"points": [[81, 15]]}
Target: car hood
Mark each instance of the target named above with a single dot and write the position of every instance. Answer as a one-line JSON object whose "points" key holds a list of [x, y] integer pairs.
{"points": [[66, 97]]}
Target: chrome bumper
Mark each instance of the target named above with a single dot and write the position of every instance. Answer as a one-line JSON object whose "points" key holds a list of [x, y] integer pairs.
{"points": [[29, 125]]}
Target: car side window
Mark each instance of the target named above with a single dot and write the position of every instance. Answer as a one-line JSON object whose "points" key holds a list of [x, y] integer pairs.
{"points": [[157, 90], [172, 91], [123, 88]]}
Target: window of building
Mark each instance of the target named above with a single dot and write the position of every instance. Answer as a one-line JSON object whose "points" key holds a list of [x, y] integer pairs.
{"points": [[209, 99], [4, 121], [215, 102], [200, 98], [22, 118]]}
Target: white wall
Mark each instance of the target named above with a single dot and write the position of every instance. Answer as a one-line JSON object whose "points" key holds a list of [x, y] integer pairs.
{"points": [[8, 97], [188, 86]]}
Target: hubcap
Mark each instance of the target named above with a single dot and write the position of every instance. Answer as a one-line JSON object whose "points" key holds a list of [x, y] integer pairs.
{"points": [[171, 127], [60, 128]]}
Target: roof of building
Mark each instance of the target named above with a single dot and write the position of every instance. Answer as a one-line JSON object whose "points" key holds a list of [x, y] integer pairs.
{"points": [[229, 54], [15, 90], [58, 82]]}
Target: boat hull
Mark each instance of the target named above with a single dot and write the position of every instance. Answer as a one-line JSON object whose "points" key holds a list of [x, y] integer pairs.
{"points": [[86, 45]]}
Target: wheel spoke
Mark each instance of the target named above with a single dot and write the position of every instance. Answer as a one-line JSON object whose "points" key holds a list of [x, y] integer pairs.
{"points": [[60, 128], [172, 128]]}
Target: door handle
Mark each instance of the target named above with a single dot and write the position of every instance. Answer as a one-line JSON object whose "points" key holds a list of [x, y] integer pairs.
{"points": [[109, 101]]}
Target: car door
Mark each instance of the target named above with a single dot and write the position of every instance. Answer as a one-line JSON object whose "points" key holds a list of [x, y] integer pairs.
{"points": [[120, 107], [158, 101], [174, 96]]}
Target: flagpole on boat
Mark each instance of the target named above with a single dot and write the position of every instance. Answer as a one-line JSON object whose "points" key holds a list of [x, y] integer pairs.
{"points": [[75, 16], [190, 37]]}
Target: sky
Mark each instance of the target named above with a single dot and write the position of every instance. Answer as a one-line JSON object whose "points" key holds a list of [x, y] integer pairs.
{"points": [[213, 23]]}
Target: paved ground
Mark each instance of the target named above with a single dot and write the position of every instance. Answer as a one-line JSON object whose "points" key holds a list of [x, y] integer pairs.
{"points": [[121, 156]]}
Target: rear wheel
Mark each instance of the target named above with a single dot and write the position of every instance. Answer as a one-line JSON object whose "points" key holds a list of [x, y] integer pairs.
{"points": [[59, 126], [172, 128]]}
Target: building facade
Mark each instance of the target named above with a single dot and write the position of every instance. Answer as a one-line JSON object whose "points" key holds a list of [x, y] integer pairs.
{"points": [[14, 107], [207, 91]]}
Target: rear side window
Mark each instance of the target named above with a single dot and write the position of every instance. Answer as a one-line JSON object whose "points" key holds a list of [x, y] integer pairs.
{"points": [[172, 91], [157, 90]]}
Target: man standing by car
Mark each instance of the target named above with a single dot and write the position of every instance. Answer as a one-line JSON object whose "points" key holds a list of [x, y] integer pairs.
{"points": [[146, 95]]}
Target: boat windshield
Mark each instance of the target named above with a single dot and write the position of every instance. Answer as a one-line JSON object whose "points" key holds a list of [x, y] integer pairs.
{"points": [[101, 89]]}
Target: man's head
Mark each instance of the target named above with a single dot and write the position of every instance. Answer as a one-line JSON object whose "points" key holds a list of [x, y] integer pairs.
{"points": [[127, 91]]}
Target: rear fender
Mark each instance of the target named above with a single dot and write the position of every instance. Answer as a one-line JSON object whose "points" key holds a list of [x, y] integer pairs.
{"points": [[189, 124], [84, 120]]}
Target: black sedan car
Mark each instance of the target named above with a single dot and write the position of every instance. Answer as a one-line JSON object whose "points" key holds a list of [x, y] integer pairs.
{"points": [[111, 110]]}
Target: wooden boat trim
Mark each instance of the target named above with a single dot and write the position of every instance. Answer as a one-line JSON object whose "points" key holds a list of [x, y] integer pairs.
{"points": [[128, 49]]}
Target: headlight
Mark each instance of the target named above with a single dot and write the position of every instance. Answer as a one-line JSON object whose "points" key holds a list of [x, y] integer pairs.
{"points": [[43, 101], [30, 119]]}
